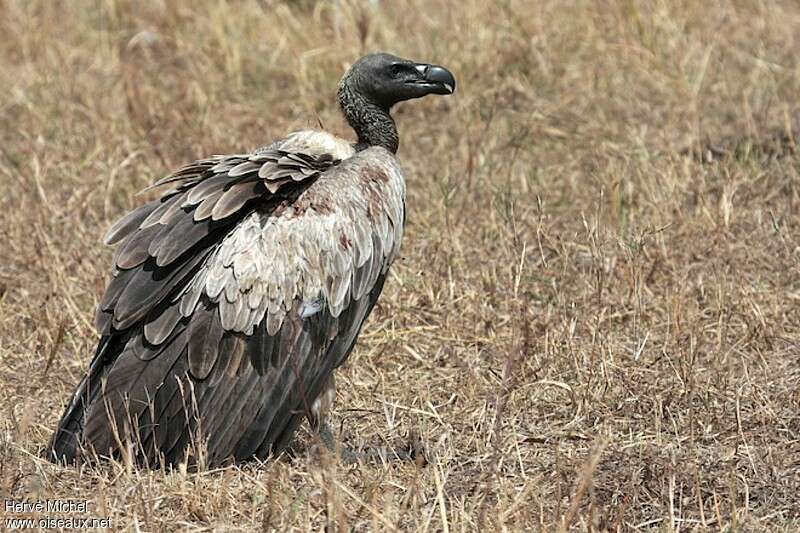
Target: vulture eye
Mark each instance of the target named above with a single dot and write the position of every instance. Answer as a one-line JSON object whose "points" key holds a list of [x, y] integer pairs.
{"points": [[396, 70]]}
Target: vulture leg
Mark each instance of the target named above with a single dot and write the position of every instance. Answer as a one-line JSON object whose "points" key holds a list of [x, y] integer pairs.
{"points": [[319, 415], [325, 434]]}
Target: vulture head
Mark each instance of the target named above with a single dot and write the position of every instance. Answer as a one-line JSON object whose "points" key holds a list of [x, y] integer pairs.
{"points": [[378, 81], [385, 80]]}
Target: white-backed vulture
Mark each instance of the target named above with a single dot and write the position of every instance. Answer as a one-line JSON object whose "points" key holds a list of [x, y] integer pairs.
{"points": [[237, 293]]}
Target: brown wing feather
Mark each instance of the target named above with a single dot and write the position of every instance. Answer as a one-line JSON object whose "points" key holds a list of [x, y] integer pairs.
{"points": [[234, 198], [134, 251], [129, 223], [205, 335]]}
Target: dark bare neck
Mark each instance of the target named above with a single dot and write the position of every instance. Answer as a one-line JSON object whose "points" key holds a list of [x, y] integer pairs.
{"points": [[372, 123]]}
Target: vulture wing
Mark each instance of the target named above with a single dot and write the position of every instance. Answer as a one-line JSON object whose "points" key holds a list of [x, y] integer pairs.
{"points": [[234, 297]]}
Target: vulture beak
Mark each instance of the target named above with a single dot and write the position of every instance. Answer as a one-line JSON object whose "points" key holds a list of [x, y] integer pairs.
{"points": [[439, 79]]}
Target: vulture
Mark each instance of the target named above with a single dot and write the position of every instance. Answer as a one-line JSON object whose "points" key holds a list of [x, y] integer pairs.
{"points": [[237, 293]]}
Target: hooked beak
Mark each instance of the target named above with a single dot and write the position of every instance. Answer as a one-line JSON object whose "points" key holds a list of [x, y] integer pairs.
{"points": [[438, 79]]}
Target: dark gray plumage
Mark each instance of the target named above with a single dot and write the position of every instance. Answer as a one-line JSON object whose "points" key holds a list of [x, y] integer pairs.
{"points": [[237, 294]]}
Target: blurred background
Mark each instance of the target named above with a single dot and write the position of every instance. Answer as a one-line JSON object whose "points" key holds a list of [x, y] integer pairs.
{"points": [[594, 323]]}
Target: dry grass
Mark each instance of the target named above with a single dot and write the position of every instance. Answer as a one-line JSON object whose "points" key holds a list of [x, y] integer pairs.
{"points": [[590, 328]]}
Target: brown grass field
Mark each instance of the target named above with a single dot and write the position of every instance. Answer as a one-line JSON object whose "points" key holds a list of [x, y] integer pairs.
{"points": [[595, 322]]}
